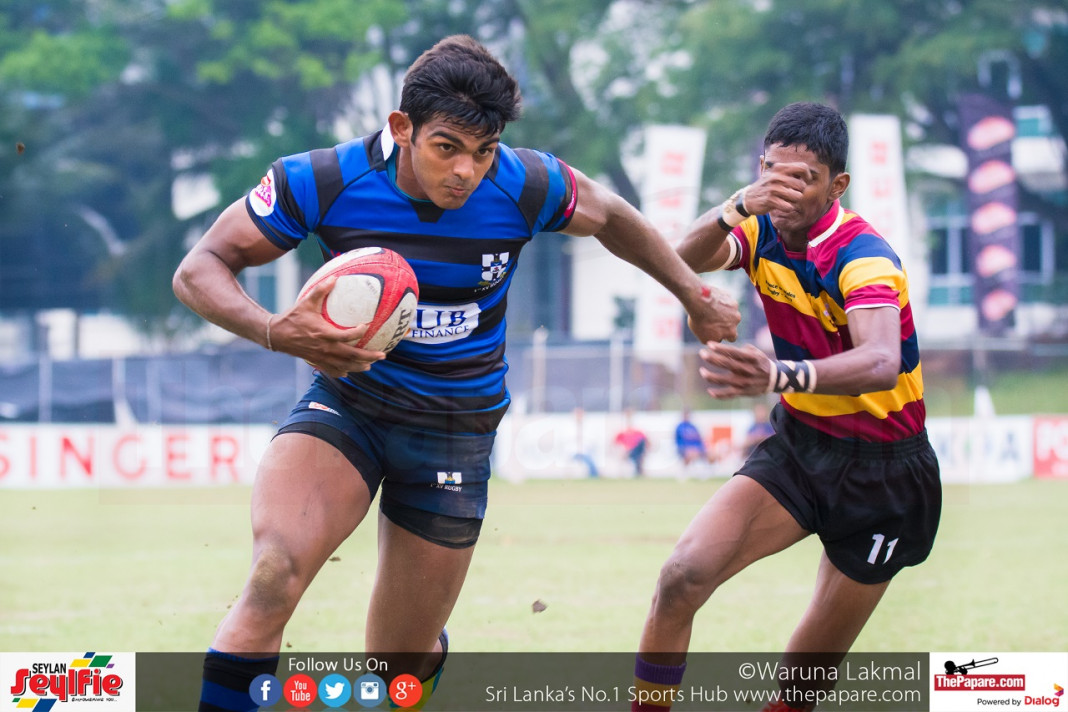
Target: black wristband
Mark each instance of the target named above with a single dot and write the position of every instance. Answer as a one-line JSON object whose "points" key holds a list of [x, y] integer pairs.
{"points": [[723, 224], [792, 377], [739, 204]]}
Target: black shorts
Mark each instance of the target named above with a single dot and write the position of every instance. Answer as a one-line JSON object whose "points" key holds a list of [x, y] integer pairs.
{"points": [[875, 506]]}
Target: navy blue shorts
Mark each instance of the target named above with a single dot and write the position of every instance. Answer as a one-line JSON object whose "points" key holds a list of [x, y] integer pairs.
{"points": [[433, 471], [875, 506]]}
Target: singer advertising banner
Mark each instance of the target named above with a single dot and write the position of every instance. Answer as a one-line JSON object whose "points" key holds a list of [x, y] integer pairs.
{"points": [[987, 131]]}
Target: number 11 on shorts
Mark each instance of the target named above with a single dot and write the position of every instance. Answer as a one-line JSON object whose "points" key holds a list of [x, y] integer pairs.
{"points": [[878, 545]]}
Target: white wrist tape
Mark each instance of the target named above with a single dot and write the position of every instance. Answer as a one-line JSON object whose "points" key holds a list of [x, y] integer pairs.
{"points": [[735, 252], [732, 255], [733, 211]]}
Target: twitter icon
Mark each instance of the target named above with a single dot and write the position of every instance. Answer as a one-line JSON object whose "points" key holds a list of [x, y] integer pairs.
{"points": [[335, 690]]}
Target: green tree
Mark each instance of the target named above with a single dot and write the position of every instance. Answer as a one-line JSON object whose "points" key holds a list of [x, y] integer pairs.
{"points": [[911, 58], [113, 102]]}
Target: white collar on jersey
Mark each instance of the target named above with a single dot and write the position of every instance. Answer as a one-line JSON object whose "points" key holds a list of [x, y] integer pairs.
{"points": [[387, 142], [830, 230]]}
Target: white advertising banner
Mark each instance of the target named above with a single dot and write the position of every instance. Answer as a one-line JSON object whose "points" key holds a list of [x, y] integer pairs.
{"points": [[970, 450], [671, 178], [983, 450], [53, 456], [877, 179], [878, 193], [671, 184]]}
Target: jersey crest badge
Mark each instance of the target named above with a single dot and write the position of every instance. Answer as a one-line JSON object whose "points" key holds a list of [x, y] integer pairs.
{"points": [[494, 267]]}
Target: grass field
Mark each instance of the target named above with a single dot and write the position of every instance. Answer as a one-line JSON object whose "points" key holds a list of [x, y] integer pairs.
{"points": [[155, 570], [1012, 392]]}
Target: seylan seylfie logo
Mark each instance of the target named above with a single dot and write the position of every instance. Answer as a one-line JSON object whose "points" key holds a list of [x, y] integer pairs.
{"points": [[40, 686]]}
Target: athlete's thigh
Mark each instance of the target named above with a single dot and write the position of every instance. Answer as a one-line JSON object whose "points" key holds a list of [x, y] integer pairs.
{"points": [[839, 608], [307, 498], [740, 524], [434, 496], [416, 587]]}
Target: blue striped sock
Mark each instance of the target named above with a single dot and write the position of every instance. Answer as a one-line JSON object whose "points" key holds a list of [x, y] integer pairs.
{"points": [[227, 678], [430, 683]]}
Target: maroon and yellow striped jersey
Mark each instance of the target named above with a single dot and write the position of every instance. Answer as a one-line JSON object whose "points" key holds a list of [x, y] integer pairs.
{"points": [[807, 298]]}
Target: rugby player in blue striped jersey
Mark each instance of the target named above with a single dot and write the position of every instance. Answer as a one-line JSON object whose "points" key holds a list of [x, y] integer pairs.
{"points": [[438, 186]]}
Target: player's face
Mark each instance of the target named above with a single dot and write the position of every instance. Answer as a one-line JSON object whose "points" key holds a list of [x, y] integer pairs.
{"points": [[821, 190], [443, 162]]}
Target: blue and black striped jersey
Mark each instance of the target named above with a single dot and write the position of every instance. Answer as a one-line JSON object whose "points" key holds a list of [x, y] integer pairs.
{"points": [[448, 373]]}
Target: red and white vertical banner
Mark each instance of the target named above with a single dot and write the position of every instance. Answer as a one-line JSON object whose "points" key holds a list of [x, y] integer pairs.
{"points": [[877, 193], [671, 179], [877, 179], [671, 184]]}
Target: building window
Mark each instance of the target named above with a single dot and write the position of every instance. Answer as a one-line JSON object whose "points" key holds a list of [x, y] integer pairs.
{"points": [[950, 261]]}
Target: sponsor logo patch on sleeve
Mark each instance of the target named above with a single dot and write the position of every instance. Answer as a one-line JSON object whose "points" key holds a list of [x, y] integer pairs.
{"points": [[262, 196]]}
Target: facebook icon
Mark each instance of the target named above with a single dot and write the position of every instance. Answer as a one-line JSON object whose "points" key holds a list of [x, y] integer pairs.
{"points": [[265, 690]]}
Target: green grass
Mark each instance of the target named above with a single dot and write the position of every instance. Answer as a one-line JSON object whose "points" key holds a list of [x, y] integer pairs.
{"points": [[1012, 392], [155, 570], [1026, 392]]}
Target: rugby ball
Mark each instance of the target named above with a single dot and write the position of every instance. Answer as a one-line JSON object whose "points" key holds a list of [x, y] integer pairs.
{"points": [[374, 286]]}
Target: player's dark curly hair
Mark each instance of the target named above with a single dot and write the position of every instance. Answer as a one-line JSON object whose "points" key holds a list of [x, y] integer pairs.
{"points": [[818, 128], [460, 80]]}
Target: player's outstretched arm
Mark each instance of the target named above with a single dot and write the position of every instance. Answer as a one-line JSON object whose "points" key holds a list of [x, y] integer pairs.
{"points": [[872, 364], [705, 247], [206, 281], [627, 234]]}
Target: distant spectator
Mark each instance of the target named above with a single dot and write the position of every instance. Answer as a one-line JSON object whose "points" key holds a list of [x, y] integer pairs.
{"points": [[582, 453], [634, 443], [759, 430], [688, 441]]}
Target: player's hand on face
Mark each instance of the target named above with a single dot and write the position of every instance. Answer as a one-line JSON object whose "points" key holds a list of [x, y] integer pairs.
{"points": [[715, 317], [780, 187], [303, 332], [731, 371]]}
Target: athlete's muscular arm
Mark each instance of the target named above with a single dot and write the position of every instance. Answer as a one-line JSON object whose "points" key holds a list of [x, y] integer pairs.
{"points": [[780, 186], [206, 282], [627, 234], [872, 364], [704, 247]]}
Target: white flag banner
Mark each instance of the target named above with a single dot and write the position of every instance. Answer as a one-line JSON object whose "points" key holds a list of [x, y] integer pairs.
{"points": [[877, 193], [671, 184], [877, 179]]}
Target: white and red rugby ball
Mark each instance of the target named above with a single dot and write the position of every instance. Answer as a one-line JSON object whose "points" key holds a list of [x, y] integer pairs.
{"points": [[374, 286]]}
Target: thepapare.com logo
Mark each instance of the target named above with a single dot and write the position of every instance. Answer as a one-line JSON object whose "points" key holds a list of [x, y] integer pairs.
{"points": [[39, 686]]}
